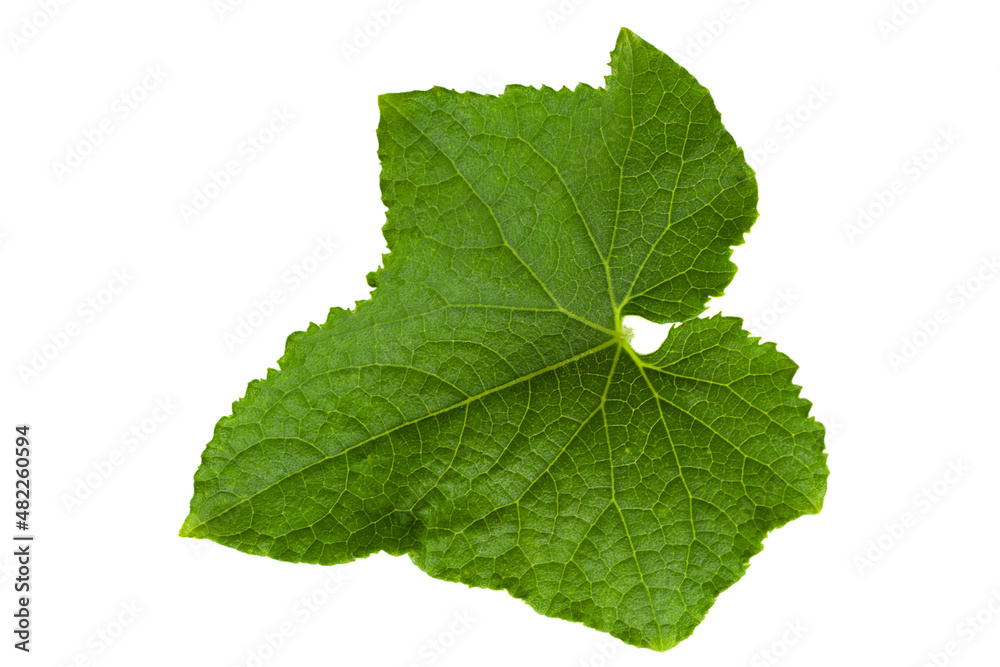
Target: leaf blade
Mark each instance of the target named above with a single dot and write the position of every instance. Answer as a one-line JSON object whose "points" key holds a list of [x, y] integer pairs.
{"points": [[483, 412]]}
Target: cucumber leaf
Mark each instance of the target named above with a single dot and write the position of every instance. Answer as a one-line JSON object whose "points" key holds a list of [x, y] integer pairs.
{"points": [[484, 412]]}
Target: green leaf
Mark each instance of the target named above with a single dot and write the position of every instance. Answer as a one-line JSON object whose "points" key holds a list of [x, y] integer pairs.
{"points": [[483, 411]]}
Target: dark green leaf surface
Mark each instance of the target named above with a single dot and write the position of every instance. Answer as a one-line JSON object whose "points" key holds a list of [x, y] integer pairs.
{"points": [[483, 411]]}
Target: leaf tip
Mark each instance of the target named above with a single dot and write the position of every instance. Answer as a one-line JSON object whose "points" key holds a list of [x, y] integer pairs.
{"points": [[627, 36], [193, 527]]}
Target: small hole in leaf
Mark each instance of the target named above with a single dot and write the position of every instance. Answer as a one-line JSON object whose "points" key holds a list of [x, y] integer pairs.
{"points": [[646, 336]]}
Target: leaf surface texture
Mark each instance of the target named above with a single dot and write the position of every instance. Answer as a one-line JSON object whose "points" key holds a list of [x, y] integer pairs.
{"points": [[483, 411]]}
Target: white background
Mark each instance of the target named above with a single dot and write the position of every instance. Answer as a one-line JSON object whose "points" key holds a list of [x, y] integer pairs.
{"points": [[837, 304]]}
